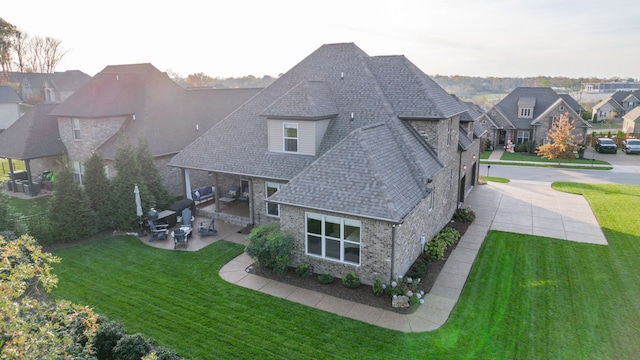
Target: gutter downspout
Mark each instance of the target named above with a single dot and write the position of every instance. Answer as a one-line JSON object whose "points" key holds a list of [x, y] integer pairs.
{"points": [[393, 251]]}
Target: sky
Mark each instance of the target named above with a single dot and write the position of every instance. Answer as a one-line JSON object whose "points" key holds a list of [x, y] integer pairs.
{"points": [[503, 38]]}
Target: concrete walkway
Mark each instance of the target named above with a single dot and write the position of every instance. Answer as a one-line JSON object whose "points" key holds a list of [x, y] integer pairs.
{"points": [[519, 206]]}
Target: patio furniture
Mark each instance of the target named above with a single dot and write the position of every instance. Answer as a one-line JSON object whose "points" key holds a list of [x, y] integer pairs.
{"points": [[158, 231], [231, 196], [208, 230], [180, 237]]}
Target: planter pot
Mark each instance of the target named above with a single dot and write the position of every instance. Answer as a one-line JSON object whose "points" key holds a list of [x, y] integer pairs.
{"points": [[400, 302]]}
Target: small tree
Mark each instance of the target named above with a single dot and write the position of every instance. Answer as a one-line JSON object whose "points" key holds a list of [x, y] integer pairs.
{"points": [[70, 214], [151, 176], [270, 247], [563, 141], [98, 188]]}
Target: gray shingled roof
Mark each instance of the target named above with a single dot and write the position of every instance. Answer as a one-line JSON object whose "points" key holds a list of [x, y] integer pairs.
{"points": [[8, 95], [34, 135], [166, 115], [311, 100], [544, 97], [572, 103], [359, 84], [70, 80]]}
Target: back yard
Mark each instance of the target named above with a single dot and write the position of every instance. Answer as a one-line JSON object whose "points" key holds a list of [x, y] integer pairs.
{"points": [[527, 297]]}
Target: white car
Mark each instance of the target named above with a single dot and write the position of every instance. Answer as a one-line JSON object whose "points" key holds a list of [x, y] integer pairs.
{"points": [[631, 146]]}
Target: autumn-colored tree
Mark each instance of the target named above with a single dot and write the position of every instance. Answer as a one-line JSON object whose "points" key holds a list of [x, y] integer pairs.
{"points": [[562, 140], [32, 328]]}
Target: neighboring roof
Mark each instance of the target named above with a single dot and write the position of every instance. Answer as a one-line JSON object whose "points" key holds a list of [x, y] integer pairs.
{"points": [[616, 99], [8, 95], [379, 166], [464, 142], [34, 135], [70, 80], [633, 115], [572, 103], [542, 97], [154, 106]]}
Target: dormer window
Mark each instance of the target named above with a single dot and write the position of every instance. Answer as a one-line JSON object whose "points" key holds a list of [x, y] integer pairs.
{"points": [[525, 112], [290, 137]]}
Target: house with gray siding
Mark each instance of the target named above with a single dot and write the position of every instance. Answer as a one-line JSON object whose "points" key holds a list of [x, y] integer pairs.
{"points": [[361, 158], [616, 105]]}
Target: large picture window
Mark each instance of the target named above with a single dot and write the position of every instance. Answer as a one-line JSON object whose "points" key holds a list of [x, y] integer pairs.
{"points": [[523, 136], [291, 138], [272, 209], [78, 171], [333, 238]]}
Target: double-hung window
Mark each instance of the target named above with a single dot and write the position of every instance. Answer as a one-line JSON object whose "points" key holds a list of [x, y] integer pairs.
{"points": [[290, 137], [76, 128], [272, 209], [333, 238], [78, 171], [523, 136]]}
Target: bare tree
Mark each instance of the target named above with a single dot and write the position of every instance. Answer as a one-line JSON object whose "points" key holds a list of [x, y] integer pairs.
{"points": [[20, 49], [34, 53], [53, 54]]}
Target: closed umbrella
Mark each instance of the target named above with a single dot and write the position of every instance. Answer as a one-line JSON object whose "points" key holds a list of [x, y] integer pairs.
{"points": [[136, 191]]}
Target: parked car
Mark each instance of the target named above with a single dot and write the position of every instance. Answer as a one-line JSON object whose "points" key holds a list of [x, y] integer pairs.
{"points": [[631, 146], [606, 145]]}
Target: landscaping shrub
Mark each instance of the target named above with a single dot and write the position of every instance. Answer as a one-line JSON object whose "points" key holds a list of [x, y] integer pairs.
{"points": [[419, 268], [107, 336], [464, 214], [325, 278], [351, 280], [377, 287], [270, 247], [406, 286], [132, 347], [439, 244], [163, 353], [304, 270]]}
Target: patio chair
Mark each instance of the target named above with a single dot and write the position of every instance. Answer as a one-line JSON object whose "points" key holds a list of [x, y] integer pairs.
{"points": [[231, 196], [179, 238], [158, 231], [207, 230]]}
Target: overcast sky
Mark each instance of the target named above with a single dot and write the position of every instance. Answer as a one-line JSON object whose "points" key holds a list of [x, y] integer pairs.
{"points": [[514, 38]]}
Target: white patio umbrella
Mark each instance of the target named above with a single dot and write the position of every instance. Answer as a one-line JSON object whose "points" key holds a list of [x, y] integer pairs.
{"points": [[136, 191]]}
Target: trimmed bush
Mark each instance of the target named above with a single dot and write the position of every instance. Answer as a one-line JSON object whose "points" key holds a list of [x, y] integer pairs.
{"points": [[351, 280], [107, 336], [439, 244], [377, 287], [270, 247], [420, 268], [132, 347], [325, 278], [304, 270], [464, 214]]}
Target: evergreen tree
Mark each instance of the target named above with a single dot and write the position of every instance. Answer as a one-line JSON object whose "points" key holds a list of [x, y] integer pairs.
{"points": [[128, 174], [151, 176], [70, 214], [98, 188]]}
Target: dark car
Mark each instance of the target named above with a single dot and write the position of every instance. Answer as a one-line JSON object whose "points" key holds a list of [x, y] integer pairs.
{"points": [[606, 145], [631, 146]]}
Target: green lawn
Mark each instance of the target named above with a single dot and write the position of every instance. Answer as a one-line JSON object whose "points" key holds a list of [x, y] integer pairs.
{"points": [[527, 297], [27, 207], [507, 156], [4, 167]]}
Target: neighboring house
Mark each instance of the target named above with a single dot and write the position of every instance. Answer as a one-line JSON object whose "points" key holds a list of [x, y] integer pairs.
{"points": [[616, 105], [34, 138], [526, 115], [9, 107], [138, 101], [48, 87], [361, 158], [631, 122]]}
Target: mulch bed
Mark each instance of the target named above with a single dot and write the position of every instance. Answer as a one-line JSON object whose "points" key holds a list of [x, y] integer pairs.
{"points": [[364, 293]]}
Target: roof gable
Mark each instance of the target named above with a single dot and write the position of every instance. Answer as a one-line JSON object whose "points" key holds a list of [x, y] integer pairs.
{"points": [[542, 98], [310, 100], [34, 135]]}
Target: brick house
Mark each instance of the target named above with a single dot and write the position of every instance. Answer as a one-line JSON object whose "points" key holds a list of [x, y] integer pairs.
{"points": [[526, 115], [361, 158], [138, 101]]}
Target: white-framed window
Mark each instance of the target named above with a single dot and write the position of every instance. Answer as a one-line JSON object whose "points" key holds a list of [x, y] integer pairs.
{"points": [[525, 112], [561, 107], [270, 189], [522, 136], [333, 238], [290, 137], [78, 171], [76, 128]]}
